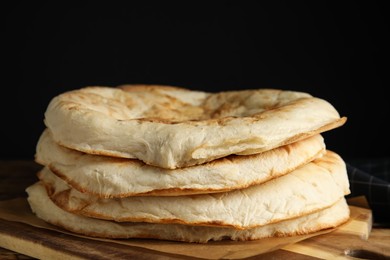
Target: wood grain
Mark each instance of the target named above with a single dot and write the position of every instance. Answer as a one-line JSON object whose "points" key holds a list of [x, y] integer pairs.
{"points": [[48, 244]]}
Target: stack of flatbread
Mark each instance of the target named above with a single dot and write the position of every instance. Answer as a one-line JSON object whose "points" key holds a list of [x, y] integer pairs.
{"points": [[162, 162]]}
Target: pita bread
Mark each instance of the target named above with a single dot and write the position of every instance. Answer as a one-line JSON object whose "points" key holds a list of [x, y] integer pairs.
{"points": [[173, 127], [312, 187], [108, 177], [45, 209]]}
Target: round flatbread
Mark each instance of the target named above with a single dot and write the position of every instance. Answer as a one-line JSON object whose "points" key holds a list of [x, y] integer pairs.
{"points": [[312, 187], [109, 177], [45, 209], [172, 127]]}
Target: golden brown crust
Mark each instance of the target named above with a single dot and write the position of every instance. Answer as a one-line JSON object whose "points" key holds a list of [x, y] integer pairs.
{"points": [[308, 189], [108, 177], [172, 127], [330, 217]]}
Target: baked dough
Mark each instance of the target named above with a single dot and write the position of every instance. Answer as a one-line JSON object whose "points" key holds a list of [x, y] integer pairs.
{"points": [[173, 127], [312, 187], [45, 209], [109, 177]]}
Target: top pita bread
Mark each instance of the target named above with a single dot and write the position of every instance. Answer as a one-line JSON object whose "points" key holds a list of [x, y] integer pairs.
{"points": [[174, 127]]}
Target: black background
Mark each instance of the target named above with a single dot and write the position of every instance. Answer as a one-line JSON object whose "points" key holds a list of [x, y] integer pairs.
{"points": [[337, 51]]}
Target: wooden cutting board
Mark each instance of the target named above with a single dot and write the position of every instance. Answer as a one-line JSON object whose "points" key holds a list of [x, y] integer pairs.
{"points": [[44, 243]]}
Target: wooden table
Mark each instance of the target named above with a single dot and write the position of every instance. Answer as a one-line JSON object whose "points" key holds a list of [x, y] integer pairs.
{"points": [[16, 175]]}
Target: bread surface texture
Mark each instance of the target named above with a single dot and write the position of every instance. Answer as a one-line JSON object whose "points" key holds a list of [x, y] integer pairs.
{"points": [[109, 177], [172, 127], [45, 209], [310, 188]]}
